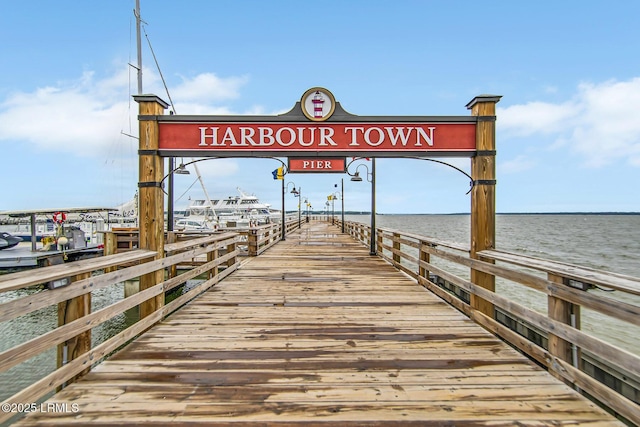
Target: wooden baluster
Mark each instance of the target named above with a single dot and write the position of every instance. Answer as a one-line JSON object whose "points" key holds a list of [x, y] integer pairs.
{"points": [[396, 247], [211, 256], [231, 248], [68, 311], [565, 312], [426, 257], [252, 242], [171, 238]]}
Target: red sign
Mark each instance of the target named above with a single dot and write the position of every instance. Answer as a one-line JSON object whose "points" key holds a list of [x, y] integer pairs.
{"points": [[287, 138], [322, 164]]}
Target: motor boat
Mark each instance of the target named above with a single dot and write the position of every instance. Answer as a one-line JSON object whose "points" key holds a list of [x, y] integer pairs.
{"points": [[8, 241], [233, 211]]}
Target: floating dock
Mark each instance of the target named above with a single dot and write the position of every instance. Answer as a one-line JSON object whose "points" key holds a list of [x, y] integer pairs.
{"points": [[22, 256]]}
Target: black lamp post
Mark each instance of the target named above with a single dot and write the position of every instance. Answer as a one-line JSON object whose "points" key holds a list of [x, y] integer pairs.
{"points": [[333, 218], [294, 192], [371, 177], [298, 193], [341, 192]]}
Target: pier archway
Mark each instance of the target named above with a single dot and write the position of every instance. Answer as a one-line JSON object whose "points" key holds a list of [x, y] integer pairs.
{"points": [[317, 128]]}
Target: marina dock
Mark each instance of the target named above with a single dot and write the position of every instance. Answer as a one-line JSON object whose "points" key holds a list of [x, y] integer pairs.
{"points": [[23, 257], [316, 331]]}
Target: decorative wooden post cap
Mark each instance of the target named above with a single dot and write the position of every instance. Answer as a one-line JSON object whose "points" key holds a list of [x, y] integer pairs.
{"points": [[151, 98], [483, 98]]}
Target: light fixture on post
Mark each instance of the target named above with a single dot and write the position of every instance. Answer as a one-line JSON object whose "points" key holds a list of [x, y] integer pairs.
{"points": [[297, 193], [371, 177], [342, 200], [182, 170], [307, 204], [294, 192], [299, 196], [332, 197]]}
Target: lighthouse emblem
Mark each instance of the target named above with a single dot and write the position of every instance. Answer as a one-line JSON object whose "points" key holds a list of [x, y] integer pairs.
{"points": [[318, 104], [317, 100]]}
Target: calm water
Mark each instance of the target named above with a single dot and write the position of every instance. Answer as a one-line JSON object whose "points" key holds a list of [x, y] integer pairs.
{"points": [[607, 242]]}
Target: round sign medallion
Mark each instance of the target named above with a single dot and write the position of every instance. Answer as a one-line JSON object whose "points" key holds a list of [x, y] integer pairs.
{"points": [[318, 104]]}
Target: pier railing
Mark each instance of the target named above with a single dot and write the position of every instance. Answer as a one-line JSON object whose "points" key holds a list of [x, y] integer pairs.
{"points": [[253, 240], [68, 288], [550, 333]]}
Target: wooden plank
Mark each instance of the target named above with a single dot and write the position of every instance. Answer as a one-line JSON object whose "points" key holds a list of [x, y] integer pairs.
{"points": [[336, 342]]}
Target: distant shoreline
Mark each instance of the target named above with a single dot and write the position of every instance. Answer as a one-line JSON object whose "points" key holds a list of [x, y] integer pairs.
{"points": [[499, 213]]}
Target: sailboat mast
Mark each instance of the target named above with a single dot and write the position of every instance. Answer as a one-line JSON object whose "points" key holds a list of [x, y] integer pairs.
{"points": [[206, 195], [139, 46]]}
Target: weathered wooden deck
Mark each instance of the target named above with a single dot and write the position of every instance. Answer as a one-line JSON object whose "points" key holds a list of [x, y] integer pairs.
{"points": [[317, 332]]}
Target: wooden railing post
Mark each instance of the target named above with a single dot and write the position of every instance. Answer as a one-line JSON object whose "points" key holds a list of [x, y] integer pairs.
{"points": [[426, 257], [483, 195], [68, 311], [172, 238], [110, 248], [150, 195], [567, 313], [231, 248], [252, 242], [396, 247]]}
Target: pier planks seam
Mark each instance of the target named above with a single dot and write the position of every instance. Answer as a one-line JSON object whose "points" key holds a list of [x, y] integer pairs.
{"points": [[317, 332]]}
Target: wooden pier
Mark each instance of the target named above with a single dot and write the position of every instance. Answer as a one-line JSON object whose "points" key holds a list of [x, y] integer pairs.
{"points": [[315, 331]]}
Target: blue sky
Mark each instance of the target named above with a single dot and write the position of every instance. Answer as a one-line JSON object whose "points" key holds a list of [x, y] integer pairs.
{"points": [[568, 127]]}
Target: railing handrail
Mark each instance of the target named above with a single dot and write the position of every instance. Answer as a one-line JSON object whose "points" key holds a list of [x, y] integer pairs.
{"points": [[587, 275], [617, 281], [27, 278], [134, 264], [430, 240], [558, 283]]}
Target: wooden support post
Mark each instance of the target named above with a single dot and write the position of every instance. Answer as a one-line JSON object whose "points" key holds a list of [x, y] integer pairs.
{"points": [[68, 311], [252, 242], [231, 248], [424, 256], [568, 313], [151, 198], [211, 256], [110, 248], [396, 247], [483, 193], [172, 238]]}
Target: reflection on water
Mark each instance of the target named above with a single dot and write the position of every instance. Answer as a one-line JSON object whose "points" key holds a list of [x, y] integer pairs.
{"points": [[604, 242]]}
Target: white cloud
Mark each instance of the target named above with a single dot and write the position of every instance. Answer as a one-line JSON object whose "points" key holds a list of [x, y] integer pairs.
{"points": [[599, 123], [519, 164], [85, 116], [208, 88], [535, 117]]}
